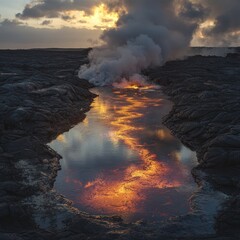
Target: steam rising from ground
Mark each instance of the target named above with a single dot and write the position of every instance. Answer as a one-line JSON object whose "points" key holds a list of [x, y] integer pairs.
{"points": [[147, 34], [123, 62]]}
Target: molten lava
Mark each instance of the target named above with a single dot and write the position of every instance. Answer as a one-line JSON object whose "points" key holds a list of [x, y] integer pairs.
{"points": [[135, 84]]}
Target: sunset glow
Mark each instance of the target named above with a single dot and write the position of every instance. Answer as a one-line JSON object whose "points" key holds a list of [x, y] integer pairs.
{"points": [[122, 190], [80, 24], [135, 84], [102, 17]]}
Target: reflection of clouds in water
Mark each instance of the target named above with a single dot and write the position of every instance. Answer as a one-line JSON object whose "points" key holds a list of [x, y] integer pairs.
{"points": [[95, 149], [187, 157], [121, 154]]}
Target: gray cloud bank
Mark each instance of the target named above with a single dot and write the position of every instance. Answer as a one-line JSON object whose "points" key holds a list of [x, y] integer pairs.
{"points": [[224, 13], [226, 16], [13, 34], [54, 8]]}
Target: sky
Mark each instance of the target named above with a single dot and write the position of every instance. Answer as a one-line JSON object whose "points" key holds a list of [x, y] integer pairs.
{"points": [[81, 23]]}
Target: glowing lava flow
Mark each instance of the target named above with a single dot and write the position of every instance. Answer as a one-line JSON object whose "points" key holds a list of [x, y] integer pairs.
{"points": [[123, 190], [137, 84]]}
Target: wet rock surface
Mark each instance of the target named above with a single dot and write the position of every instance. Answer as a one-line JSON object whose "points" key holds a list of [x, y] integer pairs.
{"points": [[41, 97], [205, 117]]}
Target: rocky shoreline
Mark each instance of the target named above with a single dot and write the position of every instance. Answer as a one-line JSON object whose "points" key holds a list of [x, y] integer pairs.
{"points": [[41, 97], [205, 117]]}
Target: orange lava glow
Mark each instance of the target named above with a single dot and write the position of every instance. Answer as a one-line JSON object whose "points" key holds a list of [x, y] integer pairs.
{"points": [[61, 138], [122, 190], [135, 84]]}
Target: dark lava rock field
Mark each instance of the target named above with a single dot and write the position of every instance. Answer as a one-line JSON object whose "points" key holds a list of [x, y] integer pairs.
{"points": [[42, 97], [206, 118]]}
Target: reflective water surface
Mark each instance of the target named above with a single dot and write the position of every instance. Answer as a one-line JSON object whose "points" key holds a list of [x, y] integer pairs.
{"points": [[122, 160]]}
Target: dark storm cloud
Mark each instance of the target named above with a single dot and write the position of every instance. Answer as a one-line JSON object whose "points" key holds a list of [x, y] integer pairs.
{"points": [[226, 18], [192, 11], [10, 23], [226, 15], [67, 17], [13, 34], [46, 22], [53, 8]]}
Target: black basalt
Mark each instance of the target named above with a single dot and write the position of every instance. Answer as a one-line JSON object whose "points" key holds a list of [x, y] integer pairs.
{"points": [[205, 117], [42, 97]]}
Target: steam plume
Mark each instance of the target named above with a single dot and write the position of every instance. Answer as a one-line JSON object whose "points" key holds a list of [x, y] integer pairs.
{"points": [[147, 34]]}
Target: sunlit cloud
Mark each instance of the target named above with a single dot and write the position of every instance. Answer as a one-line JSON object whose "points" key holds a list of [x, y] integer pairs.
{"points": [[100, 18], [217, 21]]}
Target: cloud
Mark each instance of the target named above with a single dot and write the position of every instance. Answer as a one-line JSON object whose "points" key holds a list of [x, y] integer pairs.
{"points": [[191, 11], [148, 34], [167, 22], [10, 23], [46, 22], [54, 8], [14, 34], [94, 42], [82, 21], [67, 18], [224, 15]]}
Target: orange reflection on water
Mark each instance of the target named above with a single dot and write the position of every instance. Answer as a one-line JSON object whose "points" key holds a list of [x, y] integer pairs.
{"points": [[61, 138], [123, 190], [164, 135]]}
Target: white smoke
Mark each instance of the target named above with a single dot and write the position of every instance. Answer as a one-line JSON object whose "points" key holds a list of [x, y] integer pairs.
{"points": [[109, 65], [149, 34]]}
